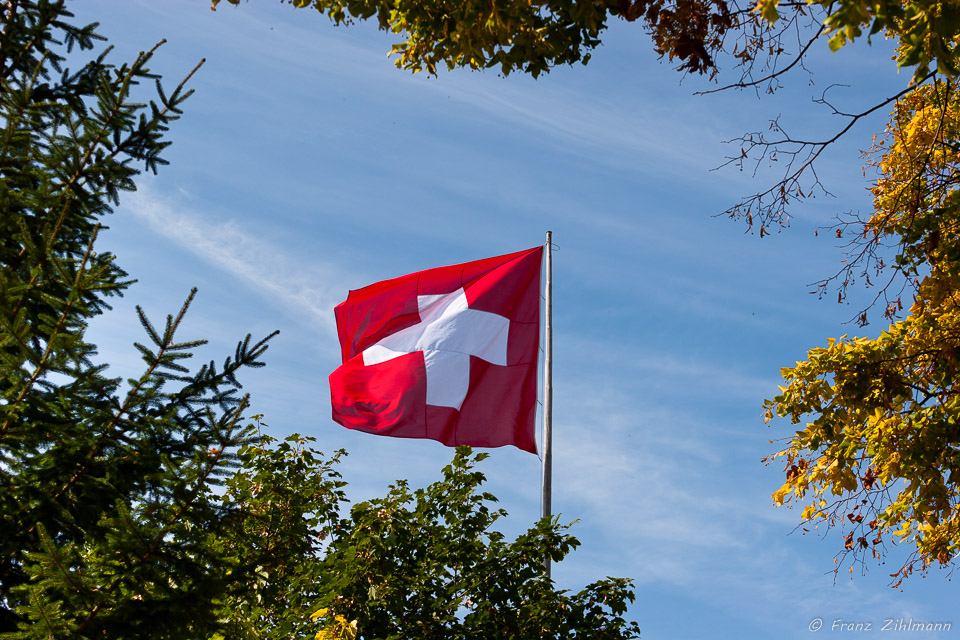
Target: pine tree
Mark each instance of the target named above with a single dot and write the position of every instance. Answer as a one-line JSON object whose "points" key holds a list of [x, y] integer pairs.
{"points": [[108, 513]]}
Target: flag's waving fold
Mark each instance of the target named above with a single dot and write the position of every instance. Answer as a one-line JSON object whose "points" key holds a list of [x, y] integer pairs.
{"points": [[448, 353]]}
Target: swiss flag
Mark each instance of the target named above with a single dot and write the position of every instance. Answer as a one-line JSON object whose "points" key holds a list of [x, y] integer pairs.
{"points": [[448, 354]]}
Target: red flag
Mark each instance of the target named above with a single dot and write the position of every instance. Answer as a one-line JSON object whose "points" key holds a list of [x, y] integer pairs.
{"points": [[448, 354]]}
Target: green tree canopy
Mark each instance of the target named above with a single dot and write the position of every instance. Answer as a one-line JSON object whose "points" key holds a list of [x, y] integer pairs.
{"points": [[430, 564], [535, 36]]}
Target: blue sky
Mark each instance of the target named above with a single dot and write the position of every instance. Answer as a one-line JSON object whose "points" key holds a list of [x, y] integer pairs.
{"points": [[307, 165]]}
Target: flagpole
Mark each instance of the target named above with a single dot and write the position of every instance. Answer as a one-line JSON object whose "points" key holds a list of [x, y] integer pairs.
{"points": [[547, 480]]}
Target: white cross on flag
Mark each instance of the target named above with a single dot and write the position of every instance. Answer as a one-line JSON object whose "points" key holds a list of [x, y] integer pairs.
{"points": [[448, 354]]}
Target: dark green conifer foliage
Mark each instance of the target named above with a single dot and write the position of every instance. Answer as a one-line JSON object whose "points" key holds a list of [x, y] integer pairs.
{"points": [[107, 502]]}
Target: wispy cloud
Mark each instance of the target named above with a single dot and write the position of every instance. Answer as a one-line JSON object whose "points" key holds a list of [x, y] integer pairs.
{"points": [[308, 287], [617, 135]]}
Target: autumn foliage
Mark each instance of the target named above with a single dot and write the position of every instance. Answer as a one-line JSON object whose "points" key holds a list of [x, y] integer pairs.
{"points": [[881, 457]]}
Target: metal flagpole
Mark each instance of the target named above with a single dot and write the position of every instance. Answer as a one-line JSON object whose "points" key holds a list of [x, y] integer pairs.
{"points": [[547, 481]]}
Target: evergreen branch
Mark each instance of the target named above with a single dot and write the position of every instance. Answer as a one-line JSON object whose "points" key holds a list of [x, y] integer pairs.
{"points": [[214, 458], [201, 481], [128, 402], [30, 44], [40, 368], [155, 123], [22, 106], [39, 606], [178, 400], [53, 557], [148, 328], [8, 16]]}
